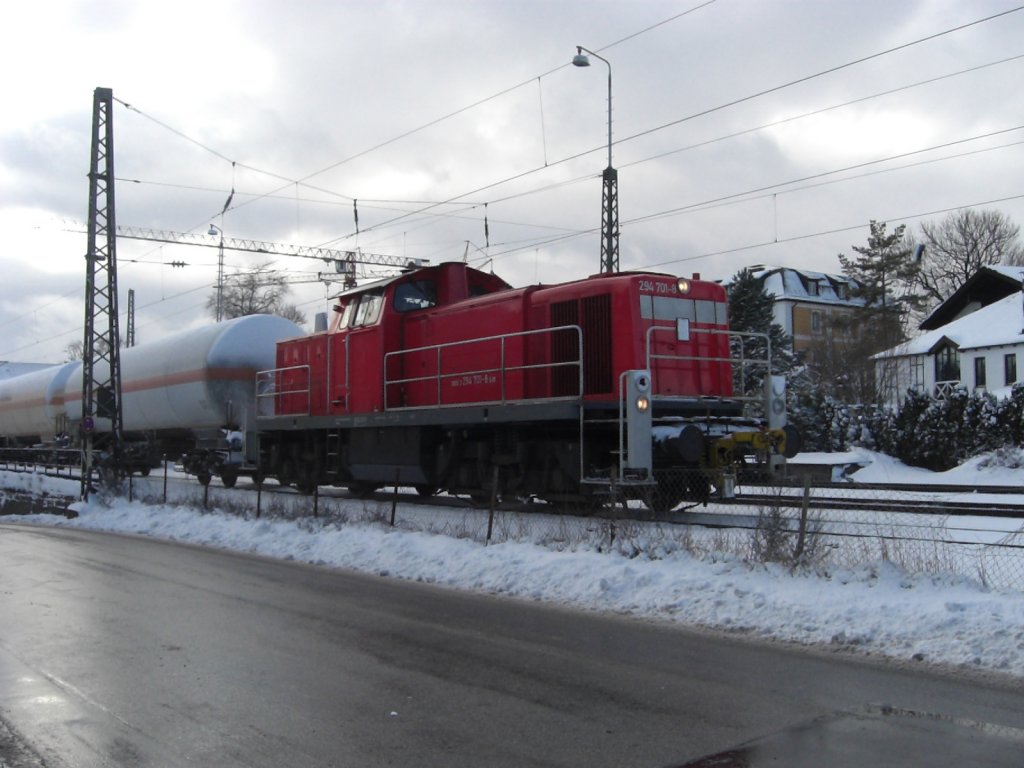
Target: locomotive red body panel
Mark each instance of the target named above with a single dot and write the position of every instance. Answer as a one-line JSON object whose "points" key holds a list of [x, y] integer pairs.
{"points": [[447, 378], [425, 340]]}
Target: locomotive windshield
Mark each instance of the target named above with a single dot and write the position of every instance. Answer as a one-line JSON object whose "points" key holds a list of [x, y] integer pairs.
{"points": [[363, 309]]}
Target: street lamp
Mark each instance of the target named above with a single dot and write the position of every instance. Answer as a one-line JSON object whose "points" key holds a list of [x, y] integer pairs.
{"points": [[215, 230], [610, 191]]}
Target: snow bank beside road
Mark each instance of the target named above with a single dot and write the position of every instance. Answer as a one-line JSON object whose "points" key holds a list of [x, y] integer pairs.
{"points": [[875, 610]]}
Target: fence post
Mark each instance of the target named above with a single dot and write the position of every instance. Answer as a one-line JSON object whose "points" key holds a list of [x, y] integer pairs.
{"points": [[801, 538], [494, 502], [394, 498], [316, 501], [259, 498], [165, 478]]}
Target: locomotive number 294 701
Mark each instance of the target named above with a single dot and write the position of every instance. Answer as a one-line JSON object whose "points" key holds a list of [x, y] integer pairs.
{"points": [[656, 286]]}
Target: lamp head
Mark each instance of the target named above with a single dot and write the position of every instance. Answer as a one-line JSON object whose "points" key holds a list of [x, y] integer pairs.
{"points": [[580, 59], [212, 230]]}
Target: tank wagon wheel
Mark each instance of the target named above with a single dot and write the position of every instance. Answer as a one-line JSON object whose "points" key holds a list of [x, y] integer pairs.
{"points": [[426, 491], [229, 478], [203, 478]]}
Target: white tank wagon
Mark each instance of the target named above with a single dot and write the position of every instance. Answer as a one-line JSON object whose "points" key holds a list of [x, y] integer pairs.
{"points": [[32, 404], [199, 385]]}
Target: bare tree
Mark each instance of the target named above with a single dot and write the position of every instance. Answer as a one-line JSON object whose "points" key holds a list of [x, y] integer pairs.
{"points": [[961, 244], [258, 291], [74, 351]]}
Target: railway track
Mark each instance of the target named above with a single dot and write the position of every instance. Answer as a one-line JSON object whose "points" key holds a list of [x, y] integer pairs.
{"points": [[929, 506]]}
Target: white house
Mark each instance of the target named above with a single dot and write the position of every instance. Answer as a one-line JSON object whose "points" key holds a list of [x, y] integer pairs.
{"points": [[973, 340]]}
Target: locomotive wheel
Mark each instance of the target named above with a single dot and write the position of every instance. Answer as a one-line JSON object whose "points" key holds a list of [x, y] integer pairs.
{"points": [[480, 499], [665, 496], [426, 490], [363, 490], [305, 483], [229, 478], [203, 478]]}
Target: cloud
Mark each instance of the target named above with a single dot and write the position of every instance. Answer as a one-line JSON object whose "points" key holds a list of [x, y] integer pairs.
{"points": [[425, 112]]}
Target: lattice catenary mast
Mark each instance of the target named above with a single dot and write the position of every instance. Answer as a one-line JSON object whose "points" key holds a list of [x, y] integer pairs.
{"points": [[101, 361]]}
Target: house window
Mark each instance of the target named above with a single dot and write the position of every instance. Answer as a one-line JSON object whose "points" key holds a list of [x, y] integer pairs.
{"points": [[812, 287], [979, 372], [947, 365], [841, 290], [815, 322], [1010, 369], [917, 374]]}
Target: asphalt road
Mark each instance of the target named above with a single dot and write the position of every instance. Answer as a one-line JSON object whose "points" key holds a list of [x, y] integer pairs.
{"points": [[123, 651]]}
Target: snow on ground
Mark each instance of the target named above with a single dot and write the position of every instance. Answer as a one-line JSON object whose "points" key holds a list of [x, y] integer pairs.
{"points": [[875, 609], [879, 468]]}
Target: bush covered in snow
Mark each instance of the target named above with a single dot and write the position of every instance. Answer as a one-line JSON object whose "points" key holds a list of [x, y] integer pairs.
{"points": [[922, 432]]}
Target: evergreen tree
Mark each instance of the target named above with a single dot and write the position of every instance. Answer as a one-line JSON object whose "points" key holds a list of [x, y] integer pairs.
{"points": [[750, 312], [883, 274]]}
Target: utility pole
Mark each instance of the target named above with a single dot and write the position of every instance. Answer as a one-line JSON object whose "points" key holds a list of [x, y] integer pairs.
{"points": [[609, 180], [101, 362]]}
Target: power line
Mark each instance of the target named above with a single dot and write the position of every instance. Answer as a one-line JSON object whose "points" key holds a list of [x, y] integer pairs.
{"points": [[735, 102], [837, 230]]}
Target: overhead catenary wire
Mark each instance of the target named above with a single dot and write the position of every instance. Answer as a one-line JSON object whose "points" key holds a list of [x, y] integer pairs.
{"points": [[459, 198]]}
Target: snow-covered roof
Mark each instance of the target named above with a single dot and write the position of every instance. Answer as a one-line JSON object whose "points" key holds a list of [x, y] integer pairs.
{"points": [[999, 324], [989, 284], [789, 284], [1012, 272]]}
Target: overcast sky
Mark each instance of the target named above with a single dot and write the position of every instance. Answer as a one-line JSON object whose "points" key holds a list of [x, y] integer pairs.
{"points": [[745, 132]]}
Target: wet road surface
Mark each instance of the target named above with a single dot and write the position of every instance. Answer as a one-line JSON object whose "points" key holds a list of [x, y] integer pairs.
{"points": [[124, 651]]}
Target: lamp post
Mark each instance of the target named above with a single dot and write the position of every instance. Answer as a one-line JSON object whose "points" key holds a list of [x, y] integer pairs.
{"points": [[215, 230], [610, 190]]}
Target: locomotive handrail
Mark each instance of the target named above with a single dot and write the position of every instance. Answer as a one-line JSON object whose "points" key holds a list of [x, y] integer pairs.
{"points": [[503, 369], [266, 387], [743, 361]]}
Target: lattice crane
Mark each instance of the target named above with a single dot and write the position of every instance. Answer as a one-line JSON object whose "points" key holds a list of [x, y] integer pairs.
{"points": [[344, 263]]}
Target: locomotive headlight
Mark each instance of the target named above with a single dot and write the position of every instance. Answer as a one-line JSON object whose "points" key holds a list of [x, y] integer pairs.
{"points": [[642, 403], [683, 285]]}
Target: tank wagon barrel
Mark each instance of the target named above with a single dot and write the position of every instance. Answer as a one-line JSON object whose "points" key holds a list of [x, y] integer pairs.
{"points": [[189, 393]]}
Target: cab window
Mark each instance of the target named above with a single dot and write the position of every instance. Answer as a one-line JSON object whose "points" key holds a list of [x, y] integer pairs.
{"points": [[415, 294], [346, 314], [368, 310]]}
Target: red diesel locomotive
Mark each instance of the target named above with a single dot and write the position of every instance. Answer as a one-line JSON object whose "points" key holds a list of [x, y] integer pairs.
{"points": [[446, 378]]}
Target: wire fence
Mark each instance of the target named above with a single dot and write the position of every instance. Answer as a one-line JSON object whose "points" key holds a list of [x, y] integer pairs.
{"points": [[975, 536], [820, 528]]}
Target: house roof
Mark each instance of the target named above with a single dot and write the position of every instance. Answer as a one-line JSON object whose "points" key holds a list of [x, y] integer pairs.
{"points": [[985, 286], [998, 324], [789, 284]]}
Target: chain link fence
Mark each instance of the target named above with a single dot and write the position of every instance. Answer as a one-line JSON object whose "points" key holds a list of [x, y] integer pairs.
{"points": [[827, 527]]}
